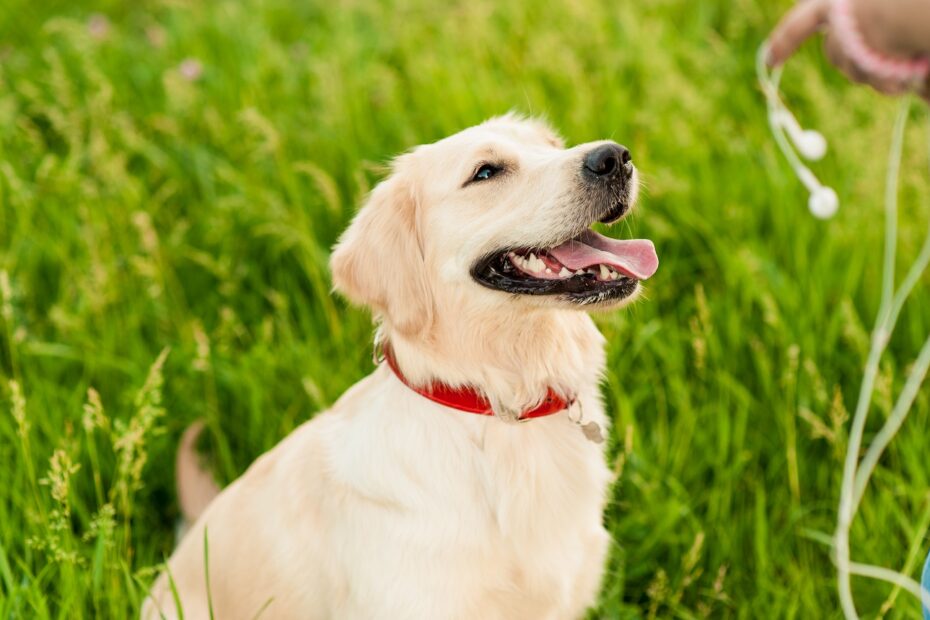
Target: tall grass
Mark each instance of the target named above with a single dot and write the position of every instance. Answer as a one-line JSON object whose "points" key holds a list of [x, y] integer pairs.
{"points": [[172, 175]]}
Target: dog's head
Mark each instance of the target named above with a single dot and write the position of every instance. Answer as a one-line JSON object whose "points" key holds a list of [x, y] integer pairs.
{"points": [[498, 214]]}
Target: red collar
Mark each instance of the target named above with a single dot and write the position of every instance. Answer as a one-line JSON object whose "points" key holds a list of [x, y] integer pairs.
{"points": [[470, 399]]}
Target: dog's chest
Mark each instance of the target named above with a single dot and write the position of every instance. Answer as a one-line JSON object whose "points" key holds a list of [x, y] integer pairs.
{"points": [[497, 516], [545, 493], [536, 477]]}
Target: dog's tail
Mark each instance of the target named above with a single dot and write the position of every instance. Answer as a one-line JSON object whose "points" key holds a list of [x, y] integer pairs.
{"points": [[196, 486]]}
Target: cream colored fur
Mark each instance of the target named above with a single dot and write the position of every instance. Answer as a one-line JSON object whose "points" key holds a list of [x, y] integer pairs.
{"points": [[388, 505]]}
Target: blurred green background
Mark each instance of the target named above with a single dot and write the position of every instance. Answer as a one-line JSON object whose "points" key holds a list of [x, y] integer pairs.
{"points": [[173, 174]]}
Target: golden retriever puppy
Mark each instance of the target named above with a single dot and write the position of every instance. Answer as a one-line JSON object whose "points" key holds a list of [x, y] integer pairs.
{"points": [[477, 259]]}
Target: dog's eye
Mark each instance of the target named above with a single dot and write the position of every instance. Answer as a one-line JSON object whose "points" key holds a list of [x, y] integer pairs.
{"points": [[485, 172]]}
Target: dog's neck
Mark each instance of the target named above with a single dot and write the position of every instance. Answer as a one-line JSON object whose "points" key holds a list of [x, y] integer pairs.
{"points": [[512, 357]]}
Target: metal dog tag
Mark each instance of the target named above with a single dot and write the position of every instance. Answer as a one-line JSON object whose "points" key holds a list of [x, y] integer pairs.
{"points": [[592, 432]]}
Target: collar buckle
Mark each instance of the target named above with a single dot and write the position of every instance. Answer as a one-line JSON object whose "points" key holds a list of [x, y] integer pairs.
{"points": [[510, 416]]}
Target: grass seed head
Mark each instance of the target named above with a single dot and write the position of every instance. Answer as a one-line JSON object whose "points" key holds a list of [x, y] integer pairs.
{"points": [[19, 408]]}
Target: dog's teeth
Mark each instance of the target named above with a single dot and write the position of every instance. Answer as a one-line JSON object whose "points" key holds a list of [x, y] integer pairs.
{"points": [[605, 273], [548, 270], [614, 275], [533, 264], [579, 272], [565, 273]]}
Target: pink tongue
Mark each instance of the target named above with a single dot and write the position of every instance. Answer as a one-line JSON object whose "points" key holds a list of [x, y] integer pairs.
{"points": [[635, 257]]}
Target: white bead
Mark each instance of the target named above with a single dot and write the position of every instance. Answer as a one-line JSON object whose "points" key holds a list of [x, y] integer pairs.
{"points": [[823, 203]]}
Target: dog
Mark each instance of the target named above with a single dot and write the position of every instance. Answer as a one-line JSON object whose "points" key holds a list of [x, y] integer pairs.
{"points": [[465, 477]]}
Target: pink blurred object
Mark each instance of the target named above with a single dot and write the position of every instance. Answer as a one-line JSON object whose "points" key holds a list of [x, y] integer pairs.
{"points": [[843, 27]]}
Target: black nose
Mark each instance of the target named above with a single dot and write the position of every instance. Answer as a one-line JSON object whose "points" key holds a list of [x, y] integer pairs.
{"points": [[607, 159]]}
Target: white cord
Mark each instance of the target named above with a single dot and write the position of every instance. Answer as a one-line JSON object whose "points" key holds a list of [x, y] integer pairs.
{"points": [[856, 473], [823, 202]]}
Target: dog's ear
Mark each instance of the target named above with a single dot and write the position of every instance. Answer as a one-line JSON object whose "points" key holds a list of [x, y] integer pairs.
{"points": [[379, 260]]}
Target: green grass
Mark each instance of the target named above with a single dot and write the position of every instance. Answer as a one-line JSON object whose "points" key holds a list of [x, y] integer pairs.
{"points": [[141, 212]]}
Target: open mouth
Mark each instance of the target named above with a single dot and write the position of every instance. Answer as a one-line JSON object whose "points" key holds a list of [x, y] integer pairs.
{"points": [[589, 268]]}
